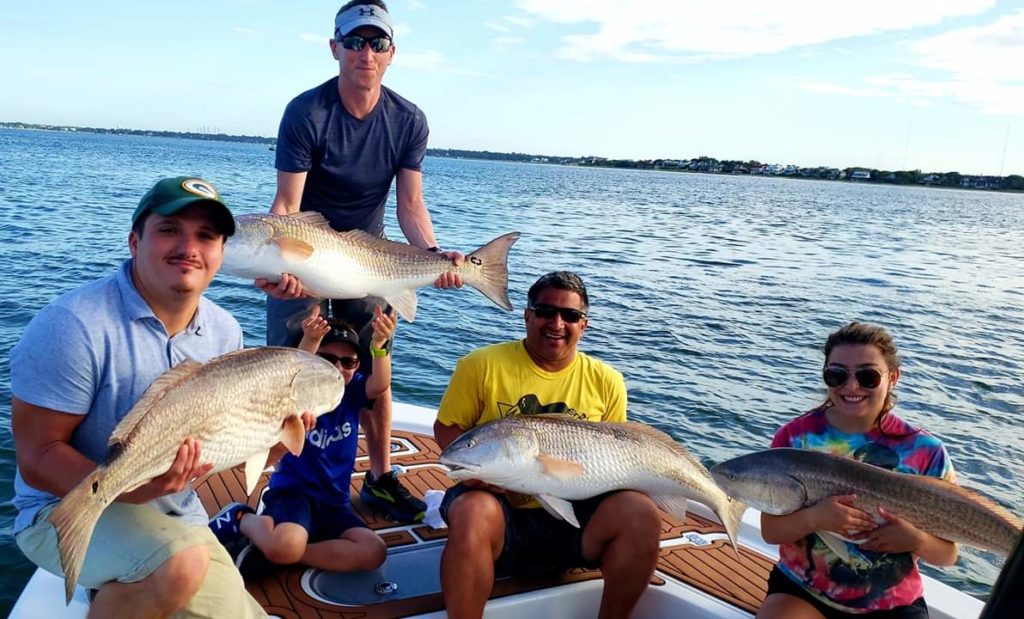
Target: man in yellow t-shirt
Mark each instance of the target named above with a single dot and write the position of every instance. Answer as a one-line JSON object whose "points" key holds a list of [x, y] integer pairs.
{"points": [[489, 528]]}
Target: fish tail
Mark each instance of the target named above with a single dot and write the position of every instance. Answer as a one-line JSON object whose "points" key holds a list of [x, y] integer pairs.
{"points": [[488, 270], [731, 515], [74, 520]]}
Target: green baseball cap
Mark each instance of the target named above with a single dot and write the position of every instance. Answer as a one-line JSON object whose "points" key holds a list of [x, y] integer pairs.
{"points": [[170, 195]]}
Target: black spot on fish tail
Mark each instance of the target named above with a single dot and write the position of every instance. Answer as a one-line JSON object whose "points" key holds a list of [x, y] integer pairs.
{"points": [[112, 453]]}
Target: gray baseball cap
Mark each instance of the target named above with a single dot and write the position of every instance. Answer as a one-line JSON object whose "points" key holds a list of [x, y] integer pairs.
{"points": [[362, 15]]}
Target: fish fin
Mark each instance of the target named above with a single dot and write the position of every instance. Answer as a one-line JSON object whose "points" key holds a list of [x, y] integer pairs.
{"points": [[559, 508], [835, 544], [732, 519], [672, 504], [254, 467], [73, 520], [654, 434], [312, 218], [487, 269], [153, 394], [559, 468], [375, 244], [293, 434], [972, 496], [293, 249], [405, 304]]}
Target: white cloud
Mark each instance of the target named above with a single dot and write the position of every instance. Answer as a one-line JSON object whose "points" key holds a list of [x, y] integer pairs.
{"points": [[428, 61], [507, 41], [244, 31], [977, 66], [498, 27], [523, 22], [672, 29], [309, 37]]}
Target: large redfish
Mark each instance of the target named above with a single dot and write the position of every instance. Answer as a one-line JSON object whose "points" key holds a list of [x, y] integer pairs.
{"points": [[781, 481], [237, 406], [558, 459], [354, 264]]}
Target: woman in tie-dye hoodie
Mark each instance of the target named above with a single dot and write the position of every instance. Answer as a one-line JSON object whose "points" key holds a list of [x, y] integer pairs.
{"points": [[856, 420]]}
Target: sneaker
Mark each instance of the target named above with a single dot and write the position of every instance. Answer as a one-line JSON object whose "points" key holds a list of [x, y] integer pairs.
{"points": [[388, 496], [252, 564], [227, 524]]}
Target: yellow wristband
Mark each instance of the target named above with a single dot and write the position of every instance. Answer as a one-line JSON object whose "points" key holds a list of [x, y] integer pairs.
{"points": [[378, 352]]}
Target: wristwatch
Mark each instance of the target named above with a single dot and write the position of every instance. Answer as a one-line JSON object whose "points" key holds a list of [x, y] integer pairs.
{"points": [[378, 352]]}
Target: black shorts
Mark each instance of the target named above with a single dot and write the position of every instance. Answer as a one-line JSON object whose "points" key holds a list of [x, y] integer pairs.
{"points": [[780, 583], [537, 543], [322, 520]]}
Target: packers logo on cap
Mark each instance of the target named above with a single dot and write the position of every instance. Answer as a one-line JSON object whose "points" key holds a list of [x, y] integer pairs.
{"points": [[200, 188]]}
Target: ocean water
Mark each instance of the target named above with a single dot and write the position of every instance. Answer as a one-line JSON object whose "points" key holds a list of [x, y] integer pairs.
{"points": [[712, 294]]}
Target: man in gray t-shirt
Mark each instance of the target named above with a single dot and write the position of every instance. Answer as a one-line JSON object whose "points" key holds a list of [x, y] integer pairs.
{"points": [[82, 363], [339, 148]]}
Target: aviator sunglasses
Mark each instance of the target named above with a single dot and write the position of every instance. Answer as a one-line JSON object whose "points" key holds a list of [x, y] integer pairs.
{"points": [[835, 376], [346, 362], [547, 312], [356, 43]]}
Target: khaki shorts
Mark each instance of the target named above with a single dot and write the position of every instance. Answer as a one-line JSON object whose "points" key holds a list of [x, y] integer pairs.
{"points": [[130, 542]]}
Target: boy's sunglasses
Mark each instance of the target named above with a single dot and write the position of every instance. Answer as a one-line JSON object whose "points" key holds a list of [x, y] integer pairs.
{"points": [[356, 43], [868, 378], [346, 362], [547, 312]]}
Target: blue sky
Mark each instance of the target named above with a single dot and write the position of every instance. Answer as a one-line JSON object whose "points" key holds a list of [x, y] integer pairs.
{"points": [[889, 84]]}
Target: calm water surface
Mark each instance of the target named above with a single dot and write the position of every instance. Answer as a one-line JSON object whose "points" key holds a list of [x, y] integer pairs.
{"points": [[712, 294]]}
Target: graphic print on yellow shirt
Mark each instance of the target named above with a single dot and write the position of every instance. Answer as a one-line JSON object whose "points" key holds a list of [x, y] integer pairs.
{"points": [[502, 380]]}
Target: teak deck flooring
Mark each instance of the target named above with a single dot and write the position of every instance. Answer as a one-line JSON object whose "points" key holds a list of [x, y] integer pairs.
{"points": [[712, 567]]}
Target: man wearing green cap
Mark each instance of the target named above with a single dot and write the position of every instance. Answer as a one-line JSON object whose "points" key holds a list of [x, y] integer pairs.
{"points": [[81, 364]]}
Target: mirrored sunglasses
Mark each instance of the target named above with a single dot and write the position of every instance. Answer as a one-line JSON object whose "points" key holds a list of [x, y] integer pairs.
{"points": [[547, 312], [835, 376], [356, 43], [346, 362]]}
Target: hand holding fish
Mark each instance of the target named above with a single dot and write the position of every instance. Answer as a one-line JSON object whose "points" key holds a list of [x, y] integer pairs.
{"points": [[450, 279], [837, 513], [894, 535], [186, 467], [287, 288], [308, 420]]}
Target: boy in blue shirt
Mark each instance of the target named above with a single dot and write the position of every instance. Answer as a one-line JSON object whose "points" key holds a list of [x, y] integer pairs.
{"points": [[306, 515]]}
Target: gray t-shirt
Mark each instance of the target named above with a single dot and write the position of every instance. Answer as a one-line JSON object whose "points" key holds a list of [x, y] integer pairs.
{"points": [[350, 162], [93, 351]]}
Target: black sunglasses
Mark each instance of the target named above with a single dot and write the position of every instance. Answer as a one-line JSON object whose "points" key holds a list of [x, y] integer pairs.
{"points": [[835, 376], [346, 362], [356, 43], [547, 312]]}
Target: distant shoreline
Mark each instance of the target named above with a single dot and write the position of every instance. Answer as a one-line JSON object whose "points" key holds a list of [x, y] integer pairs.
{"points": [[1013, 183]]}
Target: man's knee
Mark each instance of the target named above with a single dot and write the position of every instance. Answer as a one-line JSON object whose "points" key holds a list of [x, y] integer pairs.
{"points": [[180, 576], [476, 519], [629, 515]]}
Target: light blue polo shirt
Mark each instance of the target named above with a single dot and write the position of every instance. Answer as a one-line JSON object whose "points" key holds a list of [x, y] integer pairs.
{"points": [[93, 351]]}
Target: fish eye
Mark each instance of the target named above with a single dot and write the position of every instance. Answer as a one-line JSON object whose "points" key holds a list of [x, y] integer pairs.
{"points": [[470, 444]]}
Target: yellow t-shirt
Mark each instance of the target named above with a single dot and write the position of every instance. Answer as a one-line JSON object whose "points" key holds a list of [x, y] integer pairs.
{"points": [[502, 380]]}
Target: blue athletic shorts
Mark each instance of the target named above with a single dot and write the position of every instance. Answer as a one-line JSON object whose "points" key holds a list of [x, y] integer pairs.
{"points": [[323, 520], [537, 543]]}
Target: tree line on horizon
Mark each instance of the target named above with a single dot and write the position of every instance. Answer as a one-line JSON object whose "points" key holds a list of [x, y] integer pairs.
{"points": [[1013, 182]]}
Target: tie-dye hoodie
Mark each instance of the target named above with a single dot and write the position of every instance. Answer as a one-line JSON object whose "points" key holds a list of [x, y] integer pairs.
{"points": [[872, 580]]}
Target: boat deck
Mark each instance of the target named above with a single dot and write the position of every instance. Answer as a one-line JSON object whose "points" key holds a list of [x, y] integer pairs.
{"points": [[695, 552]]}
